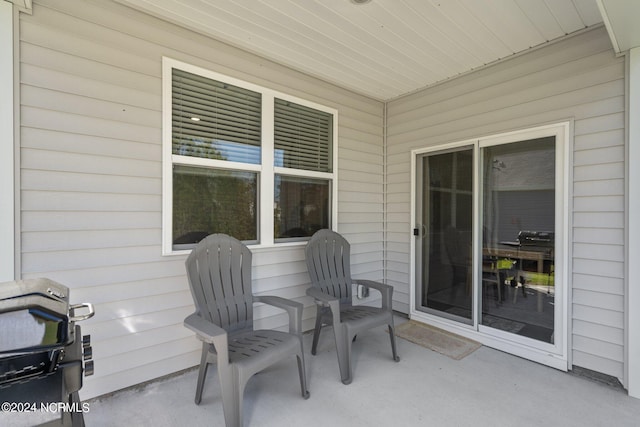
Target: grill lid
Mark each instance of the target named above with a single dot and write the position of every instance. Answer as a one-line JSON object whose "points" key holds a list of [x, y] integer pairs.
{"points": [[34, 315]]}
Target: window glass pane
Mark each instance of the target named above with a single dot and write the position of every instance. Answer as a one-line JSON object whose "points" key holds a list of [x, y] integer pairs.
{"points": [[302, 206], [209, 201], [215, 120], [303, 137]]}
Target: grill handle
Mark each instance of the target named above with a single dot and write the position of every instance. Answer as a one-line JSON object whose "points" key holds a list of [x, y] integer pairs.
{"points": [[73, 317]]}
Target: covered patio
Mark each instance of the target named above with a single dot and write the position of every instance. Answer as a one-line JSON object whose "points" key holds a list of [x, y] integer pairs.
{"points": [[486, 388], [87, 158]]}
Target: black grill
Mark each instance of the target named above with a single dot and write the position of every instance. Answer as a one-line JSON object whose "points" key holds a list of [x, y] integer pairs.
{"points": [[43, 355]]}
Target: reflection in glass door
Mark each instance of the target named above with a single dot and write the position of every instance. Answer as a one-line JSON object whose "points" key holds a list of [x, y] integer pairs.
{"points": [[518, 229], [445, 275]]}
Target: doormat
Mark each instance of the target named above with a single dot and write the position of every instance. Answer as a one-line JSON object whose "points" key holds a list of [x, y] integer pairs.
{"points": [[436, 339]]}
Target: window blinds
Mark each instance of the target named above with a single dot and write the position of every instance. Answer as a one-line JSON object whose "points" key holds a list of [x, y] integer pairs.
{"points": [[214, 120], [303, 137]]}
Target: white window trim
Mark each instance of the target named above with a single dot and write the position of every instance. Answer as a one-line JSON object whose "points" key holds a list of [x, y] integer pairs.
{"points": [[7, 176], [266, 169]]}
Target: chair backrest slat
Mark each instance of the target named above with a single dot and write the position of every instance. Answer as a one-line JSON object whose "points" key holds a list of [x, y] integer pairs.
{"points": [[328, 263], [219, 272]]}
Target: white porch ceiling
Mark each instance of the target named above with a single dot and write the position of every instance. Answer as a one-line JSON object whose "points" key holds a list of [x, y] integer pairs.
{"points": [[386, 48]]}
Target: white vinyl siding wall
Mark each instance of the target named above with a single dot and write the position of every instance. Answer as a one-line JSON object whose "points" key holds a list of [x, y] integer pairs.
{"points": [[578, 79], [91, 182]]}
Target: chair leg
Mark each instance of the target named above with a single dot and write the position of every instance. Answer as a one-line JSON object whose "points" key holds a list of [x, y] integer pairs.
{"points": [[232, 392], [202, 372], [303, 374], [392, 337], [343, 351], [316, 332]]}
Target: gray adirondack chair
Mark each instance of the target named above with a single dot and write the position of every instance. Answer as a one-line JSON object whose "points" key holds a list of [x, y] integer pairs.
{"points": [[219, 273], [328, 263]]}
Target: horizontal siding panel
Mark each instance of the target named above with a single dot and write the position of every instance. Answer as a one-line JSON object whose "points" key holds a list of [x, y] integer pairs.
{"points": [[44, 139], [114, 292], [598, 252], [513, 90], [355, 176], [84, 182], [398, 207], [398, 267], [599, 204], [611, 318], [604, 236], [136, 358], [293, 286], [81, 105], [598, 171], [137, 341], [599, 156], [275, 270], [599, 124], [47, 221], [359, 197], [45, 241], [599, 219], [264, 256], [89, 258], [56, 70], [399, 198], [359, 167], [359, 207], [64, 33], [600, 139], [604, 350], [580, 94], [149, 304], [348, 218], [123, 326], [77, 201], [347, 155], [399, 178], [399, 217], [373, 188], [599, 268], [398, 278], [85, 125], [397, 227], [83, 163], [360, 145], [168, 267], [598, 332], [598, 300], [598, 284]]}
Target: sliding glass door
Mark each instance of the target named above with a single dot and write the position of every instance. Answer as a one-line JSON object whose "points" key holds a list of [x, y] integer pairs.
{"points": [[488, 214]]}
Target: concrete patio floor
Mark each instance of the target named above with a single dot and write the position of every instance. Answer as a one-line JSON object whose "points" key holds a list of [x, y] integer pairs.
{"points": [[486, 388]]}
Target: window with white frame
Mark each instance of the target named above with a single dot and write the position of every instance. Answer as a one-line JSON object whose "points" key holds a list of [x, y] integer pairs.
{"points": [[243, 160]]}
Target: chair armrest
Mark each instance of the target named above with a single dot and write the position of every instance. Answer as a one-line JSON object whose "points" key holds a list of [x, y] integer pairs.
{"points": [[326, 300], [210, 333], [385, 290], [293, 309]]}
